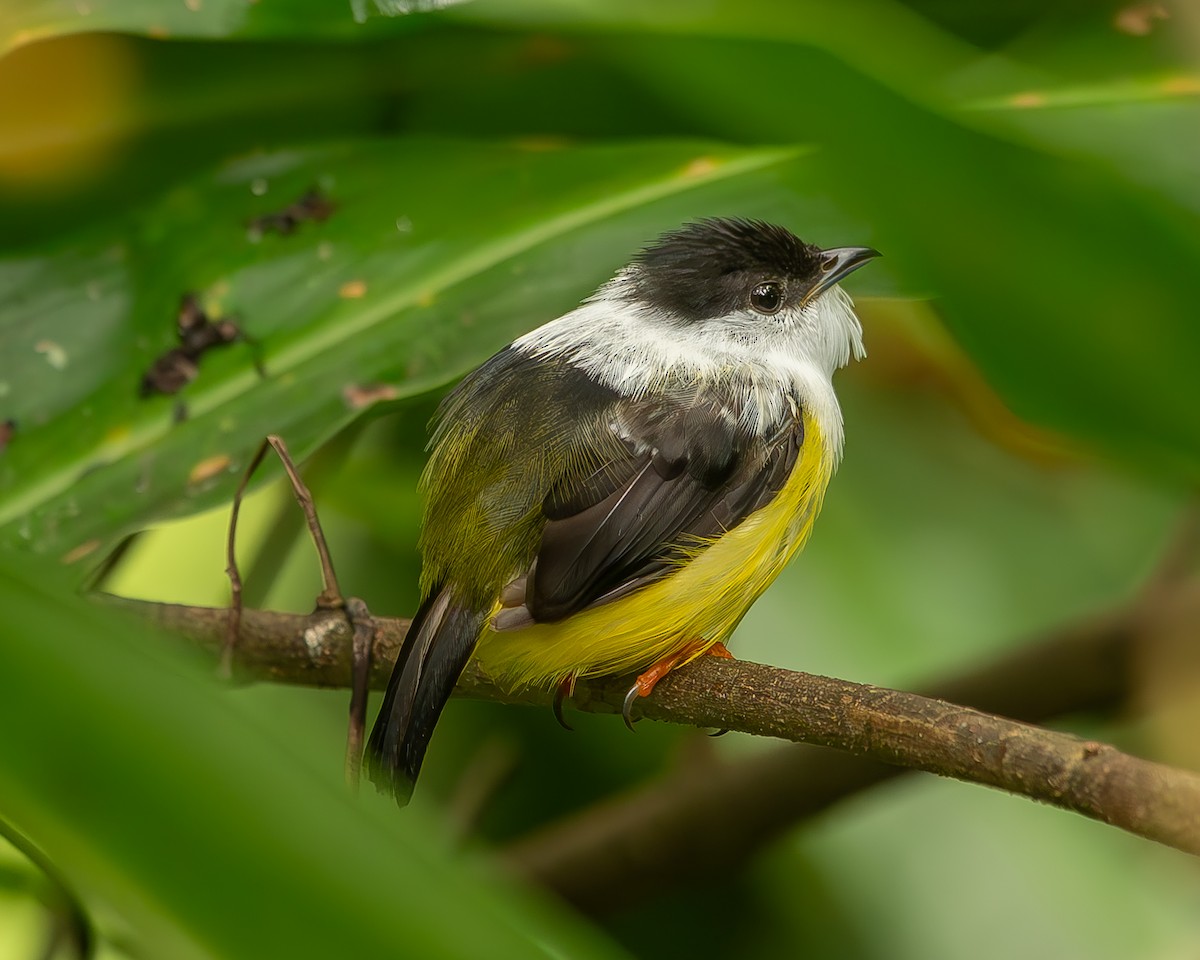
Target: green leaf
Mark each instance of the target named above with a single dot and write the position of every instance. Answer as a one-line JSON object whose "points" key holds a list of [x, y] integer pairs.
{"points": [[23, 21], [901, 48], [1074, 61], [1145, 127], [164, 799], [438, 254]]}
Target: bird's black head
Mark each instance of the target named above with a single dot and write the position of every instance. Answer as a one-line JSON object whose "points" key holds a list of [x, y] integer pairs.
{"points": [[718, 267]]}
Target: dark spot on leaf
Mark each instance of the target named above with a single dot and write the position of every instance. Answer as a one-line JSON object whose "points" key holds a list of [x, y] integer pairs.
{"points": [[313, 207], [198, 334]]}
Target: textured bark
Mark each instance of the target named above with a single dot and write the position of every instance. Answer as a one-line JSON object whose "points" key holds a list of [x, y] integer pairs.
{"points": [[904, 729]]}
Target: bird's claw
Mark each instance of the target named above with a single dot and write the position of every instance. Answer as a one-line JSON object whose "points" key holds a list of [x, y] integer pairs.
{"points": [[627, 707], [566, 688]]}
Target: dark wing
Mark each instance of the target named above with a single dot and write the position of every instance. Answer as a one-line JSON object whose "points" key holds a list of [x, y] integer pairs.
{"points": [[688, 472]]}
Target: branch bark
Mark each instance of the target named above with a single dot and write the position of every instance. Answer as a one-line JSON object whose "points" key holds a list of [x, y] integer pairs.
{"points": [[905, 729], [680, 826]]}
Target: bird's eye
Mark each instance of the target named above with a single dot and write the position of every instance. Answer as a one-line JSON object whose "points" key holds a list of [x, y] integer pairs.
{"points": [[767, 297]]}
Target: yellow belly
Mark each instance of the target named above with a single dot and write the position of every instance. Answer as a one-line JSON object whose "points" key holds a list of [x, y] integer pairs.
{"points": [[703, 600]]}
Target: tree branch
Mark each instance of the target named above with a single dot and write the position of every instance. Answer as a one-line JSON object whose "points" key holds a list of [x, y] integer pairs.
{"points": [[680, 826], [677, 827], [1145, 798]]}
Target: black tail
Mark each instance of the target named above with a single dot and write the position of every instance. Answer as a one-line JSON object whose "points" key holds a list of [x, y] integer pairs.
{"points": [[439, 644]]}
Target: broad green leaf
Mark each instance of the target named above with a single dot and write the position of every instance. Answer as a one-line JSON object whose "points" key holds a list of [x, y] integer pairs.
{"points": [[1053, 57], [1143, 123], [1113, 84], [1039, 91], [883, 39], [24, 21], [1146, 130], [163, 799], [438, 253]]}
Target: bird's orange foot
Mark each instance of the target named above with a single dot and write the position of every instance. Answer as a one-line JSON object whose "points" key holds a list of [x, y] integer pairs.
{"points": [[564, 691], [645, 683]]}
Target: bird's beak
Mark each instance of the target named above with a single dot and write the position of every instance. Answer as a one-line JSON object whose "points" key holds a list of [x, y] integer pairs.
{"points": [[837, 263]]}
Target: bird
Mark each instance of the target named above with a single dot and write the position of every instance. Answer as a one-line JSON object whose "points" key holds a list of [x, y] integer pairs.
{"points": [[612, 491]]}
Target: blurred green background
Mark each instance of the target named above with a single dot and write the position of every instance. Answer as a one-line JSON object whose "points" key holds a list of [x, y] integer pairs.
{"points": [[1022, 439]]}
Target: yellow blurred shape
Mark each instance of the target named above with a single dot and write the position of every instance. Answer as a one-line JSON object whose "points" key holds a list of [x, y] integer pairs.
{"points": [[78, 553], [700, 167], [64, 106], [118, 434], [208, 468], [55, 355], [1027, 100], [1184, 85]]}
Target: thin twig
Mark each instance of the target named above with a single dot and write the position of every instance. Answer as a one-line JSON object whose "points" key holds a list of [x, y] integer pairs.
{"points": [[330, 597], [356, 611], [233, 622], [285, 525]]}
